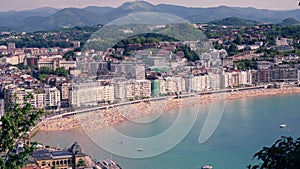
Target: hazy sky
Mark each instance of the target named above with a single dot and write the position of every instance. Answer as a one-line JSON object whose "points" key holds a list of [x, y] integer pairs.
{"points": [[31, 4]]}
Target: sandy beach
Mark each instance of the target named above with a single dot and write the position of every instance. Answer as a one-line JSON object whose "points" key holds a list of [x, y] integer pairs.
{"points": [[104, 118]]}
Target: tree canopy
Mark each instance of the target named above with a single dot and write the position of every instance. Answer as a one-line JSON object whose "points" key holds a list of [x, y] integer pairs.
{"points": [[15, 126], [61, 71], [142, 39], [44, 72], [188, 53], [245, 64], [238, 39], [283, 154]]}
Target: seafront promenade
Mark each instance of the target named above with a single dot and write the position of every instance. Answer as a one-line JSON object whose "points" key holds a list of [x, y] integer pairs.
{"points": [[100, 117]]}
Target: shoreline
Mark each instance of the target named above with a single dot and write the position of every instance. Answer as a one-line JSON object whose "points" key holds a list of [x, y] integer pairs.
{"points": [[117, 115]]}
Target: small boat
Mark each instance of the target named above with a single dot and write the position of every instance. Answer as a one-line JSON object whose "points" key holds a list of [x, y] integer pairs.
{"points": [[207, 167], [139, 149], [282, 125]]}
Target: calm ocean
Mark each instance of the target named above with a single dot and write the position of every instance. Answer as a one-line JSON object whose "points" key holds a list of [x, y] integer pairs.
{"points": [[246, 126]]}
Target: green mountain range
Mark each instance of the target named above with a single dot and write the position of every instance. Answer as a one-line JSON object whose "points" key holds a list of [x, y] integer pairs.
{"points": [[234, 21], [289, 22], [51, 18]]}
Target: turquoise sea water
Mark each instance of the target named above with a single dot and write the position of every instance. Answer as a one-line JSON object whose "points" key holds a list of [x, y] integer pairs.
{"points": [[246, 126]]}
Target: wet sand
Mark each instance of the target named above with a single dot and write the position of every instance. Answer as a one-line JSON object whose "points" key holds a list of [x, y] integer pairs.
{"points": [[104, 118]]}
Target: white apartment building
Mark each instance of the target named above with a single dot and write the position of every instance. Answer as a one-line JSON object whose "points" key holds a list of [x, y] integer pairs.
{"points": [[172, 85], [92, 93], [52, 97], [235, 79], [215, 81], [105, 93], [38, 101], [138, 89], [132, 89], [119, 89], [230, 79], [64, 90], [243, 78], [200, 83], [224, 80]]}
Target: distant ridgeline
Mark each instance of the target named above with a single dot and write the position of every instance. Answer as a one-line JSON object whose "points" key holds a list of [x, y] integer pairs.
{"points": [[53, 19], [234, 21]]}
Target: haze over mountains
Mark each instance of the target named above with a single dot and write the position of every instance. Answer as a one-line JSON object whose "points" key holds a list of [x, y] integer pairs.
{"points": [[51, 18]]}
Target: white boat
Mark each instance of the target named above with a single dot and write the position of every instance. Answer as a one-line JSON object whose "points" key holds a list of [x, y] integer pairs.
{"points": [[139, 149], [282, 125], [207, 167]]}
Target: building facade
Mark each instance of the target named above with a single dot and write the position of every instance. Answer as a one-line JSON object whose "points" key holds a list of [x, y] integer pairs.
{"points": [[132, 89], [52, 97], [2, 112], [57, 63], [65, 159], [90, 94]]}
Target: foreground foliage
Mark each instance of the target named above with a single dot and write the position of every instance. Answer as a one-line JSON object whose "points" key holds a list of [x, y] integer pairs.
{"points": [[15, 126], [283, 154]]}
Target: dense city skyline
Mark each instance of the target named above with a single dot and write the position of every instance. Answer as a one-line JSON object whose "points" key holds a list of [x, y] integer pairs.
{"points": [[32, 4], [149, 89]]}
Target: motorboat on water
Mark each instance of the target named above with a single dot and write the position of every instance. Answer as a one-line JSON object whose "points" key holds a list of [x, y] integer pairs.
{"points": [[282, 125], [139, 149], [207, 167]]}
